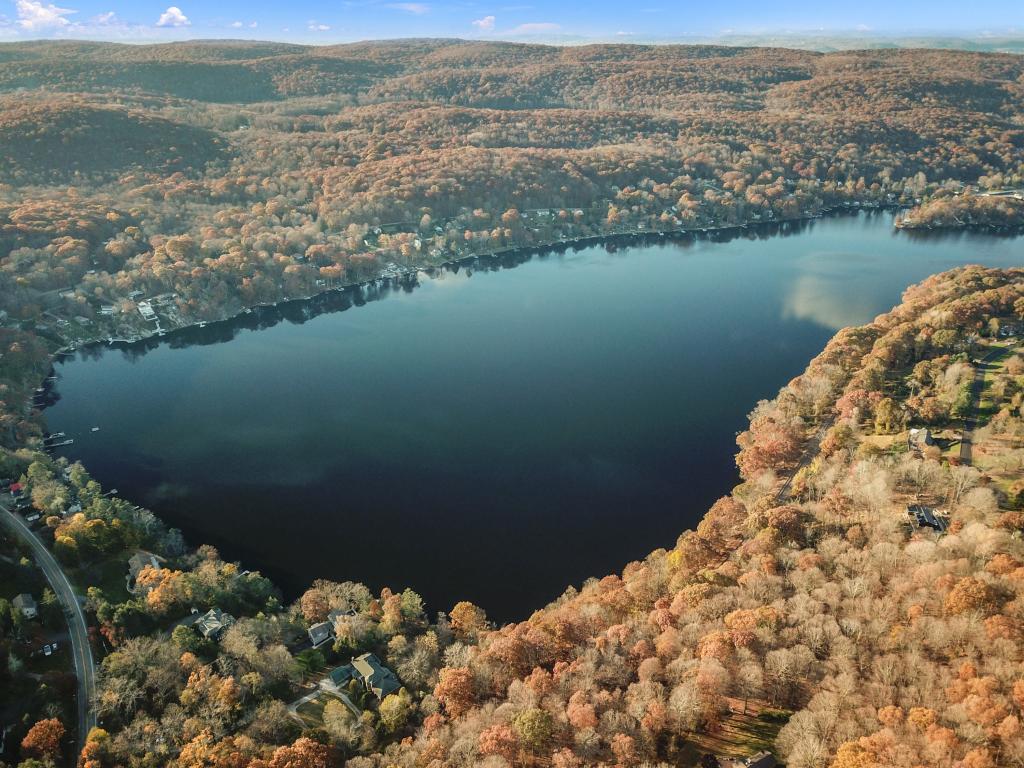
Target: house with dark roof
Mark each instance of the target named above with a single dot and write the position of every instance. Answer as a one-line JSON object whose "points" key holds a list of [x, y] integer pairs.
{"points": [[337, 677], [376, 678], [320, 633], [759, 760], [926, 517], [323, 631], [213, 623]]}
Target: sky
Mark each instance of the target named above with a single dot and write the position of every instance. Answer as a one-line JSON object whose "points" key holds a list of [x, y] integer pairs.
{"points": [[315, 21]]}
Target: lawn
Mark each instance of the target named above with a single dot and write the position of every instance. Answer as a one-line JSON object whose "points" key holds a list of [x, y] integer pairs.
{"points": [[109, 576], [312, 712], [987, 404], [740, 735]]}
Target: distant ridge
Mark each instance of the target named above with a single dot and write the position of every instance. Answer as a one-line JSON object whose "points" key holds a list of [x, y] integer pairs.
{"points": [[235, 49]]}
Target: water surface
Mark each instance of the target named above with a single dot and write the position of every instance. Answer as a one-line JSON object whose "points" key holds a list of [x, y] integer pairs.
{"points": [[497, 431]]}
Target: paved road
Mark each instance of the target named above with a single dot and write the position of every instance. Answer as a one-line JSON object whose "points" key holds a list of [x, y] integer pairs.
{"points": [[81, 651], [977, 387]]}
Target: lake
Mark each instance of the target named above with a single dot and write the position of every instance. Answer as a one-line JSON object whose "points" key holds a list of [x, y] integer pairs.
{"points": [[495, 431]]}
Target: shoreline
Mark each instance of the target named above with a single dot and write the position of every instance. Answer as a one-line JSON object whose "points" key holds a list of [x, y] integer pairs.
{"points": [[341, 297], [406, 272]]}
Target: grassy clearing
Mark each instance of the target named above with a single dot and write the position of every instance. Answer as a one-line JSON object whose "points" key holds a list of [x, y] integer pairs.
{"points": [[988, 403], [312, 712], [740, 735], [109, 576]]}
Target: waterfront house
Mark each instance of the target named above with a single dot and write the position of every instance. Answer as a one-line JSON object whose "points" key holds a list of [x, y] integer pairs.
{"points": [[213, 623], [139, 561], [146, 310], [337, 613], [323, 631], [26, 605], [376, 678]]}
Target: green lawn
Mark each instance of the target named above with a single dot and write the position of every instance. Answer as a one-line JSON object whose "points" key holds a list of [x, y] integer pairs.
{"points": [[108, 575], [987, 405]]}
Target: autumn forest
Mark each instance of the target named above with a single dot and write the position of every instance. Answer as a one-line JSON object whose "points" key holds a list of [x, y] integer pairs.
{"points": [[856, 601]]}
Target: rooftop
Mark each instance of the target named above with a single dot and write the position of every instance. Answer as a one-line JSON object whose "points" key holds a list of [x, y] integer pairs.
{"points": [[213, 623], [375, 676]]}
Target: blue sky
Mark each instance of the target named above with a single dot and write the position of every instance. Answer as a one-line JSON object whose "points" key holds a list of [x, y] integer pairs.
{"points": [[554, 20]]}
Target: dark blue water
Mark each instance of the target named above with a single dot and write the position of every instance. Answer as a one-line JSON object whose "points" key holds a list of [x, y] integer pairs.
{"points": [[495, 432]]}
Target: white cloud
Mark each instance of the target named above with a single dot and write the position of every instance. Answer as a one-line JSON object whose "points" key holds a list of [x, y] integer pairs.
{"points": [[253, 24], [106, 19], [35, 16], [534, 28], [418, 8], [173, 17], [236, 24], [486, 24], [315, 27]]}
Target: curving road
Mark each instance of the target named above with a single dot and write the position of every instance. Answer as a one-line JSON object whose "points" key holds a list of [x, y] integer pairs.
{"points": [[81, 651]]}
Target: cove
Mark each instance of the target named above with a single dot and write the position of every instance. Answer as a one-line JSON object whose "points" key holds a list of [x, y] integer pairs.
{"points": [[493, 431]]}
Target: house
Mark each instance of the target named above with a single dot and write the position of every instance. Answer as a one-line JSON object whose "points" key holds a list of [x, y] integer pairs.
{"points": [[337, 613], [212, 624], [926, 517], [137, 562], [321, 633], [919, 438], [107, 309], [760, 760], [377, 678], [324, 631], [26, 605], [337, 677], [146, 310]]}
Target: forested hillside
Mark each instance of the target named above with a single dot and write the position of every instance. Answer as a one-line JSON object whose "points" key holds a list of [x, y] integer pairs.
{"points": [[876, 640], [856, 601], [232, 173], [144, 188]]}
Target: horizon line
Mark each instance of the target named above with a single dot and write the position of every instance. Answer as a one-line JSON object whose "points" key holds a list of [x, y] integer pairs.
{"points": [[897, 39]]}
